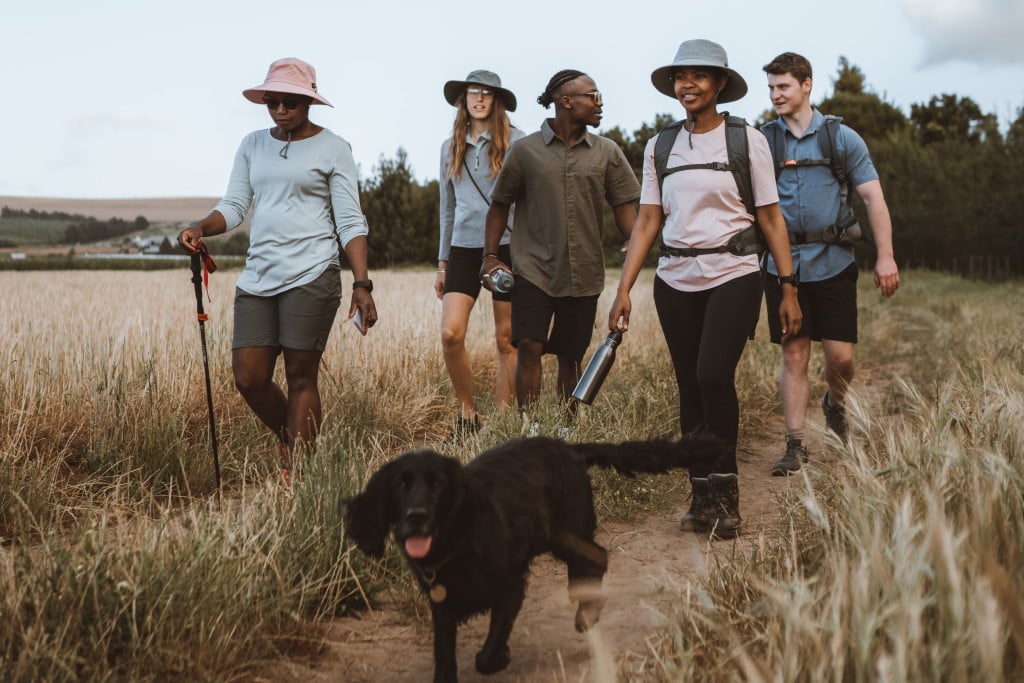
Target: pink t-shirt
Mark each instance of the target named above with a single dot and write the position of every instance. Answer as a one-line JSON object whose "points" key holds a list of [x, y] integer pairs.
{"points": [[703, 207]]}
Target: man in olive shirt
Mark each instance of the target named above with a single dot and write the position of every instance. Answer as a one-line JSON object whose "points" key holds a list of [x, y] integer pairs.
{"points": [[558, 179]]}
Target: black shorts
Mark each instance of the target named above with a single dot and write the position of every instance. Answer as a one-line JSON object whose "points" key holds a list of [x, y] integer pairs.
{"points": [[829, 307], [463, 274], [299, 318], [533, 309]]}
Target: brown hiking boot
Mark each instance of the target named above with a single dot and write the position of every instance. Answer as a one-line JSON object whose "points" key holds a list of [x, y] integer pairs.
{"points": [[725, 499], [791, 462], [835, 418], [699, 516]]}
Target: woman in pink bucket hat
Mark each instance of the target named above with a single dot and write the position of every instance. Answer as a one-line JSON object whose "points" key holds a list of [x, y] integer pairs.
{"points": [[300, 180]]}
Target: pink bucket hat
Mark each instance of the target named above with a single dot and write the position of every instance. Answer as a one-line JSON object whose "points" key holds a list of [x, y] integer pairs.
{"points": [[288, 75]]}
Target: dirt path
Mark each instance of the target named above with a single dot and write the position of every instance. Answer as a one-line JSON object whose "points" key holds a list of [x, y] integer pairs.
{"points": [[650, 562]]}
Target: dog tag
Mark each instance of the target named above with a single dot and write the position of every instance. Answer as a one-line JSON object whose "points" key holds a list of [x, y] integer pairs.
{"points": [[438, 593]]}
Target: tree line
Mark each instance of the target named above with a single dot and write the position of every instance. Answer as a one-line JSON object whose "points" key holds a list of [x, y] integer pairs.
{"points": [[951, 178]]}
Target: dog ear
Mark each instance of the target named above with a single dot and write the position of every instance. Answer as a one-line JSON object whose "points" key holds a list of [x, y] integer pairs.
{"points": [[370, 514]]}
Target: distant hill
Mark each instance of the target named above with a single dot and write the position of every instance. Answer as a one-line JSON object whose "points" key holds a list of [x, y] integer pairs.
{"points": [[156, 210]]}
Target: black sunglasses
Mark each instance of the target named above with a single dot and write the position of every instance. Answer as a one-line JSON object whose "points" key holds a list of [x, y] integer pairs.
{"points": [[289, 101]]}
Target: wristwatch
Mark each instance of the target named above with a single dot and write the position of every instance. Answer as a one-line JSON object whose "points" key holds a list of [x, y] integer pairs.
{"points": [[793, 279], [363, 284]]}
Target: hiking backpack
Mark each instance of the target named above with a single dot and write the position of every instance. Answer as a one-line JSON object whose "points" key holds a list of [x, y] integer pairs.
{"points": [[844, 229], [749, 241]]}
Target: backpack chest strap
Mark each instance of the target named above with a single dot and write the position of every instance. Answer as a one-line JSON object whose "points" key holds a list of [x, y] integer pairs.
{"points": [[712, 166]]}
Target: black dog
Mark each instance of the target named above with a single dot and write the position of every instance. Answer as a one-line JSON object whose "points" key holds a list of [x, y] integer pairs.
{"points": [[469, 532]]}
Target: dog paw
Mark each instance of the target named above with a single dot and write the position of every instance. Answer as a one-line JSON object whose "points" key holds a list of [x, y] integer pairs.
{"points": [[494, 662], [588, 613]]}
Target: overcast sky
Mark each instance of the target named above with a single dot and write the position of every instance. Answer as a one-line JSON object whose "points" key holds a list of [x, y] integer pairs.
{"points": [[119, 99]]}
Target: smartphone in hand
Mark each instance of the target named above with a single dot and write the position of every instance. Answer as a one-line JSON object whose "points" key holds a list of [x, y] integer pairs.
{"points": [[357, 320]]}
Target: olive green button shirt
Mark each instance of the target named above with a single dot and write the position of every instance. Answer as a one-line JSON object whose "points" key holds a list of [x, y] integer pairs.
{"points": [[558, 193]]}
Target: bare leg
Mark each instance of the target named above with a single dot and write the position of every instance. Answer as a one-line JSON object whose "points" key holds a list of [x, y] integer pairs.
{"points": [[253, 369], [455, 311], [838, 368], [504, 380], [568, 377], [528, 371], [793, 383], [302, 369]]}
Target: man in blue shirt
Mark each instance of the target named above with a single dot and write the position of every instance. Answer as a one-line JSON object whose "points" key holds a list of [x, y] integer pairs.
{"points": [[812, 199]]}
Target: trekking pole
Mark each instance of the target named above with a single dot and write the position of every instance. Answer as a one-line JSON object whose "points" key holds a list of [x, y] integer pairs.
{"points": [[202, 264]]}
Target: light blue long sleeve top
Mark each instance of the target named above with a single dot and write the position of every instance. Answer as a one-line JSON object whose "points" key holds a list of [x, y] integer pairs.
{"points": [[302, 206]]}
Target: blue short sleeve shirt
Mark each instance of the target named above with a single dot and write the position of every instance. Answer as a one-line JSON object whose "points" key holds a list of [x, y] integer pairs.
{"points": [[810, 196]]}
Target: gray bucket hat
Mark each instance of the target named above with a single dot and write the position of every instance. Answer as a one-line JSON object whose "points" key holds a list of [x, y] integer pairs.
{"points": [[452, 89], [700, 53]]}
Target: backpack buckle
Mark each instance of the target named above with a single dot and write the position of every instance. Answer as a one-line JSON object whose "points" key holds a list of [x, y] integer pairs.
{"points": [[718, 166]]}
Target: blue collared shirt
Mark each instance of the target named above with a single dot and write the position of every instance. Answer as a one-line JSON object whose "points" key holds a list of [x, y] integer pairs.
{"points": [[464, 207], [810, 196]]}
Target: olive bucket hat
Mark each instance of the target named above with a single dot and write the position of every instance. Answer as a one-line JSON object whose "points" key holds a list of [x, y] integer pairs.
{"points": [[488, 79], [700, 53]]}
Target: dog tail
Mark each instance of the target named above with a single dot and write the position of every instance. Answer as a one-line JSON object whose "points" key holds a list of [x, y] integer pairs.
{"points": [[652, 457]]}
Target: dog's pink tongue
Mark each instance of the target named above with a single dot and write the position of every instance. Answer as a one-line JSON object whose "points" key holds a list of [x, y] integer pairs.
{"points": [[417, 547]]}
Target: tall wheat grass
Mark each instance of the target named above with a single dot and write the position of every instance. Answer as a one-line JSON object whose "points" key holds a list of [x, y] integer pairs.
{"points": [[902, 558]]}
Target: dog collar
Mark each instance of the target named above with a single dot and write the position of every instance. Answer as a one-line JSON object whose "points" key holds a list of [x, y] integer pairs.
{"points": [[437, 592]]}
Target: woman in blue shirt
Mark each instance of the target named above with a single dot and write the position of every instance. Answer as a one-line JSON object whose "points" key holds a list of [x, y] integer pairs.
{"points": [[470, 161]]}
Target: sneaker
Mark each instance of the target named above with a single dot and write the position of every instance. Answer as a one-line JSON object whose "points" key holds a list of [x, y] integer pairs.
{"points": [[791, 462], [835, 418], [530, 427]]}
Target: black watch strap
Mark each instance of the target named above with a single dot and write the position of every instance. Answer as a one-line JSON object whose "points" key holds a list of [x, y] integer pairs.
{"points": [[793, 279], [363, 284]]}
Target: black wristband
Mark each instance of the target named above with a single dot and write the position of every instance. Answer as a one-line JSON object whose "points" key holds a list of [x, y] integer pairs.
{"points": [[363, 284], [793, 279]]}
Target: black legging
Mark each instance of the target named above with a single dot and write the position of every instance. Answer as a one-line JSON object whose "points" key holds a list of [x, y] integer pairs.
{"points": [[706, 332]]}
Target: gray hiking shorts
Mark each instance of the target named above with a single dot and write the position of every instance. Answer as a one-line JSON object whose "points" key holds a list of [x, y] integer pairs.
{"points": [[299, 318]]}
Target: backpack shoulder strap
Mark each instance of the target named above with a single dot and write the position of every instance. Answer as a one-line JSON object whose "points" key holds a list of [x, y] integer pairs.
{"points": [[663, 147], [739, 159], [776, 137], [827, 143]]}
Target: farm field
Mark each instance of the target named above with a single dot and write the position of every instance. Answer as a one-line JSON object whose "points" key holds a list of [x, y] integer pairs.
{"points": [[897, 558]]}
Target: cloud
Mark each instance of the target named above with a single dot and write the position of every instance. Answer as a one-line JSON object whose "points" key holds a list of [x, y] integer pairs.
{"points": [[975, 31]]}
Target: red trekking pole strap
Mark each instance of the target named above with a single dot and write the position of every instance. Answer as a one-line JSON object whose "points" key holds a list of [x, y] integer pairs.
{"points": [[202, 266], [209, 266]]}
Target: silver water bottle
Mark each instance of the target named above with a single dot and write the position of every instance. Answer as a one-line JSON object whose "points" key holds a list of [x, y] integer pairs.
{"points": [[597, 369], [502, 281]]}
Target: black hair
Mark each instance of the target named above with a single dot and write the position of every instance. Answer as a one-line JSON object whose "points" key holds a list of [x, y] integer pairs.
{"points": [[557, 81]]}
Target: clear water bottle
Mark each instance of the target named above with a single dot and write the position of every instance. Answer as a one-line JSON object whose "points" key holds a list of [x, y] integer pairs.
{"points": [[502, 281], [597, 369]]}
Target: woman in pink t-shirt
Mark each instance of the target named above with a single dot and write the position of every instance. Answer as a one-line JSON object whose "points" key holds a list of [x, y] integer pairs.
{"points": [[707, 301]]}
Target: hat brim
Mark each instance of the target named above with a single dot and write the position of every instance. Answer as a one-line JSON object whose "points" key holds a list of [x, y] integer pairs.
{"points": [[735, 87], [256, 94], [452, 90]]}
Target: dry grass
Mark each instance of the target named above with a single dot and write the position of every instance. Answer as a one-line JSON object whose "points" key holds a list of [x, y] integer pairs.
{"points": [[900, 562]]}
